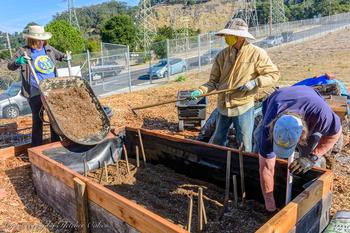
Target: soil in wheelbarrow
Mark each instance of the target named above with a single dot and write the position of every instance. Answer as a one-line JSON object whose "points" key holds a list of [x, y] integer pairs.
{"points": [[77, 114], [166, 193]]}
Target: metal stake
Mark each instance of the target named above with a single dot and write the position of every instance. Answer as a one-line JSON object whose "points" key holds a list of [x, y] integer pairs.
{"points": [[235, 195], [241, 169], [227, 186], [289, 180]]}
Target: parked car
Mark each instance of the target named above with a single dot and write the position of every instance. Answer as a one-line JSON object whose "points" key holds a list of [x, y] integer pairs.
{"points": [[272, 41], [287, 36], [12, 104], [160, 70], [209, 56]]}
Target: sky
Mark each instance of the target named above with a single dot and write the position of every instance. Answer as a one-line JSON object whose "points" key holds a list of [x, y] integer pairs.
{"points": [[15, 14]]}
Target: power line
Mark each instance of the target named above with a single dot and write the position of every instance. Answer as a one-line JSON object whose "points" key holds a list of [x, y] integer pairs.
{"points": [[246, 10], [73, 19], [277, 13], [147, 19]]}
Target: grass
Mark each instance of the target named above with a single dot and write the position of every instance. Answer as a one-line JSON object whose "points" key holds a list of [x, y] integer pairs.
{"points": [[181, 78]]}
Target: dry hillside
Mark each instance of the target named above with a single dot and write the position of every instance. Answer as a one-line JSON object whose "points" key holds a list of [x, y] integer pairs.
{"points": [[206, 17]]}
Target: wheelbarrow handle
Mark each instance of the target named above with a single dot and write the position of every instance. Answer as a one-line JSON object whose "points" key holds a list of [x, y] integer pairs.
{"points": [[181, 99], [31, 67]]}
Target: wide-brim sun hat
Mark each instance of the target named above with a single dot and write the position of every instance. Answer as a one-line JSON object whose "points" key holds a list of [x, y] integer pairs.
{"points": [[286, 135], [236, 27], [37, 32]]}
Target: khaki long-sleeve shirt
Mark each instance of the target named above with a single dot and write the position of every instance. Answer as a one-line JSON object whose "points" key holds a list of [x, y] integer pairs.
{"points": [[232, 69]]}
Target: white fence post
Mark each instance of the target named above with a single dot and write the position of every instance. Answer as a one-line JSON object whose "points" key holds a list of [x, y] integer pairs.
{"points": [[168, 59], [128, 65], [89, 66], [199, 51]]}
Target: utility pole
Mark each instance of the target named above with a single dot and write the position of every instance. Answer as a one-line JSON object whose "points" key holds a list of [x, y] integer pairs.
{"points": [[270, 18], [9, 44]]}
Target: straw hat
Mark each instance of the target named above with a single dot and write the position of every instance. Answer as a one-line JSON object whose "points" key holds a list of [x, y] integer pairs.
{"points": [[37, 32], [236, 27]]}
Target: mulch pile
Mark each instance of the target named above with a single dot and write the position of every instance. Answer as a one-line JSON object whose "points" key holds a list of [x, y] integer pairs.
{"points": [[76, 112]]}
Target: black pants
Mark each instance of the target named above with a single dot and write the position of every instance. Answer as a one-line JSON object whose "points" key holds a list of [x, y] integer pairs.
{"points": [[37, 122]]}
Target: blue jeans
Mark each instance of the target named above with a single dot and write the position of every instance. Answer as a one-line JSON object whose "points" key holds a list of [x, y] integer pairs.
{"points": [[243, 125]]}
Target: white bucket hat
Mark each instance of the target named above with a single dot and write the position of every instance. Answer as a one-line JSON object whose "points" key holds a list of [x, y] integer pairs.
{"points": [[236, 27], [37, 32]]}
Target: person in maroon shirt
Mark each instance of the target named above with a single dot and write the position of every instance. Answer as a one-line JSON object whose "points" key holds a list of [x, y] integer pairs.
{"points": [[293, 117]]}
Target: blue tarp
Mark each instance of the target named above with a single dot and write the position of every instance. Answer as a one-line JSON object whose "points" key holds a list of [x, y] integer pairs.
{"points": [[321, 80]]}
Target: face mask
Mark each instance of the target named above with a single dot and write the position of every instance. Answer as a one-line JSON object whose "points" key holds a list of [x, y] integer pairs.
{"points": [[231, 40]]}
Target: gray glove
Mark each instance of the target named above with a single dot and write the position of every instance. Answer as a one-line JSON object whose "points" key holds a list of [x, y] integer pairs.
{"points": [[302, 164], [248, 86]]}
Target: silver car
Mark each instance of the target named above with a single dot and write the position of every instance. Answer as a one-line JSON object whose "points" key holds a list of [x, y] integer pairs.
{"points": [[12, 104]]}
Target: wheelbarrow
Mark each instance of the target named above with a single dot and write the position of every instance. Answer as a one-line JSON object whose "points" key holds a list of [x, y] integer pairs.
{"points": [[48, 85]]}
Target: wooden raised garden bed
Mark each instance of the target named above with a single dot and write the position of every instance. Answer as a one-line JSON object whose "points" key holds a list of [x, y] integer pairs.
{"points": [[109, 211]]}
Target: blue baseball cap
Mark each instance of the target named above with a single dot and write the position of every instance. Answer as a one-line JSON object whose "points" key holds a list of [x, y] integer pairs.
{"points": [[286, 135]]}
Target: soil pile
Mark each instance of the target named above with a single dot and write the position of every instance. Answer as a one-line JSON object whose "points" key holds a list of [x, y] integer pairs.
{"points": [[166, 193], [76, 112]]}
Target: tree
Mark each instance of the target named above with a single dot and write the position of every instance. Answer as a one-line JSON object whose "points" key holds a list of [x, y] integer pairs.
{"points": [[120, 30], [65, 37]]}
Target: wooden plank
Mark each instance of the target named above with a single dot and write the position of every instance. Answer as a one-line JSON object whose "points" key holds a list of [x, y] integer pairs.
{"points": [[103, 221], [55, 193], [8, 128], [81, 203], [7, 153], [13, 151], [61, 197], [124, 209], [287, 218]]}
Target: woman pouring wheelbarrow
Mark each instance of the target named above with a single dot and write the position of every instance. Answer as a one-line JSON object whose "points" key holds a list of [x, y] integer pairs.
{"points": [[43, 57]]}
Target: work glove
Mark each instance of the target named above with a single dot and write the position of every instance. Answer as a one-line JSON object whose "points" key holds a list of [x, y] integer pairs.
{"points": [[248, 86], [302, 164], [195, 94], [68, 56], [21, 60]]}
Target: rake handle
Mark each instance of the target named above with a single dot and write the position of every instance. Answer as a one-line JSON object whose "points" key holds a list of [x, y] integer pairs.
{"points": [[182, 99]]}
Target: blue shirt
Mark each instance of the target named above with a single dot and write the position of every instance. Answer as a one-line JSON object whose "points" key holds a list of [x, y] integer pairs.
{"points": [[43, 66], [304, 101]]}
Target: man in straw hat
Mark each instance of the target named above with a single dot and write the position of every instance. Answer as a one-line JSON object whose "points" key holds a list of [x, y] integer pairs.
{"points": [[245, 68], [43, 57]]}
